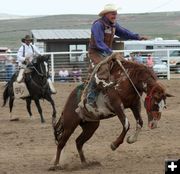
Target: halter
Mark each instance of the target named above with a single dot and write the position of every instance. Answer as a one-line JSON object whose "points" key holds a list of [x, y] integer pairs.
{"points": [[155, 114], [148, 100]]}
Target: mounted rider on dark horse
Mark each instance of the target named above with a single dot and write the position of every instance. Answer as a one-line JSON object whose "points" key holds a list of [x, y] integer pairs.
{"points": [[32, 82]]}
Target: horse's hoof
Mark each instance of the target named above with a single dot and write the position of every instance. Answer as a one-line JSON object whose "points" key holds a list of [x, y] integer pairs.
{"points": [[131, 140], [90, 163], [14, 119], [53, 168], [95, 163], [113, 147], [84, 164], [32, 118], [43, 121]]}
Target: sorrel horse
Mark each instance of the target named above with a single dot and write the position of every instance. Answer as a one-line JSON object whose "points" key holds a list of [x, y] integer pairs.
{"points": [[36, 82], [130, 81]]}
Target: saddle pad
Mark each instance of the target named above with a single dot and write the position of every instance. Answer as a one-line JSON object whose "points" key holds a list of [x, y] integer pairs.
{"points": [[20, 90]]}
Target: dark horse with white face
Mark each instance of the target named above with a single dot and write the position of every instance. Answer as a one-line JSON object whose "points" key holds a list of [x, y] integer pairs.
{"points": [[37, 85], [130, 81]]}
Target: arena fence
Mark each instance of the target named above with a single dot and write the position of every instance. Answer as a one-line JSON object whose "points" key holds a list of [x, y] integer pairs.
{"points": [[73, 66]]}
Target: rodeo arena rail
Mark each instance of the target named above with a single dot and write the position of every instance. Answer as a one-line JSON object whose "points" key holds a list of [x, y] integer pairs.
{"points": [[73, 66]]}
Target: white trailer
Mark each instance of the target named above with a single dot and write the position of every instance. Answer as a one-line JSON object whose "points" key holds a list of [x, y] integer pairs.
{"points": [[150, 45]]}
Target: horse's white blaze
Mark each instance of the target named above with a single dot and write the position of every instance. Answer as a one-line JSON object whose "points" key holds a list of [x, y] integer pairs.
{"points": [[161, 105], [46, 66]]}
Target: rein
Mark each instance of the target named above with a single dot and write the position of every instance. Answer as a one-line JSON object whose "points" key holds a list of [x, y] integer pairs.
{"points": [[148, 98], [120, 64], [41, 74]]}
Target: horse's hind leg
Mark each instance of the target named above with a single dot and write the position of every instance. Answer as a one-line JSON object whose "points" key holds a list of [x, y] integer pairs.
{"points": [[11, 102], [65, 130], [28, 106], [88, 130], [61, 143], [39, 110]]}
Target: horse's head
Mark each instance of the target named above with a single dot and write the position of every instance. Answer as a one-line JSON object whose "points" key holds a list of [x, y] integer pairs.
{"points": [[155, 102], [41, 65]]}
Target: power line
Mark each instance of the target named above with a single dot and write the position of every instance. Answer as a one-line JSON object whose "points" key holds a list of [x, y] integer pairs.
{"points": [[160, 6]]}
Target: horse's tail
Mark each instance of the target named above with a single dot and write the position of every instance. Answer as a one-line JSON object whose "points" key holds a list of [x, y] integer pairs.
{"points": [[8, 91], [58, 129], [6, 94]]}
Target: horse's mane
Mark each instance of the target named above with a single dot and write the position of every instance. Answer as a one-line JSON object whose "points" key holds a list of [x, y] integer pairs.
{"points": [[136, 71]]}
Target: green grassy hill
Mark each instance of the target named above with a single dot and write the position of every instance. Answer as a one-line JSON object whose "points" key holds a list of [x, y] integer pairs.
{"points": [[164, 25]]}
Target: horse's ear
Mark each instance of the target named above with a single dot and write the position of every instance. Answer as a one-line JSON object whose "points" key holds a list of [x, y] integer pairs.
{"points": [[169, 95], [48, 57]]}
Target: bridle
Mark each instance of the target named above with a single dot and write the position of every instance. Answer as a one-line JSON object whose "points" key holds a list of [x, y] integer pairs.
{"points": [[148, 103], [148, 98], [41, 70]]}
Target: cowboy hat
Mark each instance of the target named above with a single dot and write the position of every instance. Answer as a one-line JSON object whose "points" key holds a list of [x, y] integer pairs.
{"points": [[27, 37], [108, 8]]}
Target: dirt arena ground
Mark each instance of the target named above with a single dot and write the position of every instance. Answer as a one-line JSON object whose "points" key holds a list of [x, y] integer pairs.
{"points": [[28, 147]]}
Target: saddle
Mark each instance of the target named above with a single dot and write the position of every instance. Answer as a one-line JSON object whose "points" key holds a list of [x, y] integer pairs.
{"points": [[102, 77], [20, 88]]}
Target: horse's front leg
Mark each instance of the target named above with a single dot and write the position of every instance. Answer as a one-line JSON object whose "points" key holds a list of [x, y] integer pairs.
{"points": [[139, 123], [49, 98], [122, 117], [118, 108], [39, 109]]}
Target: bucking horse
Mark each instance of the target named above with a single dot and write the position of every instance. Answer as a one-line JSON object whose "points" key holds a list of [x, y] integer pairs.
{"points": [[129, 81]]}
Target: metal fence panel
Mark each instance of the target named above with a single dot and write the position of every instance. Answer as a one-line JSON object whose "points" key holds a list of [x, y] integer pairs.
{"points": [[77, 63]]}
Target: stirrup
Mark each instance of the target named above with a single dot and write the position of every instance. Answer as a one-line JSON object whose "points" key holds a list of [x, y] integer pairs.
{"points": [[53, 91]]}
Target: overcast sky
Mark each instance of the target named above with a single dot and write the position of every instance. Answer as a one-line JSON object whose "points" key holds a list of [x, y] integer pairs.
{"points": [[51, 7]]}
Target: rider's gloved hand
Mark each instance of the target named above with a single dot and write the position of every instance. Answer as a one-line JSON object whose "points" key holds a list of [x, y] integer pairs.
{"points": [[143, 37], [27, 60]]}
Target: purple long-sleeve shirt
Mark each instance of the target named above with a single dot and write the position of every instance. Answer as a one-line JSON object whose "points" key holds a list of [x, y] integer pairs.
{"points": [[97, 31]]}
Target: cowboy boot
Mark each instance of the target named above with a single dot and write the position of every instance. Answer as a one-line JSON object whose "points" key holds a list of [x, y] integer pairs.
{"points": [[51, 86], [92, 95], [20, 75]]}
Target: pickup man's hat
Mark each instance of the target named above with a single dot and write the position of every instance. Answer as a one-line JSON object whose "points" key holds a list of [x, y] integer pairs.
{"points": [[108, 8], [27, 37]]}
